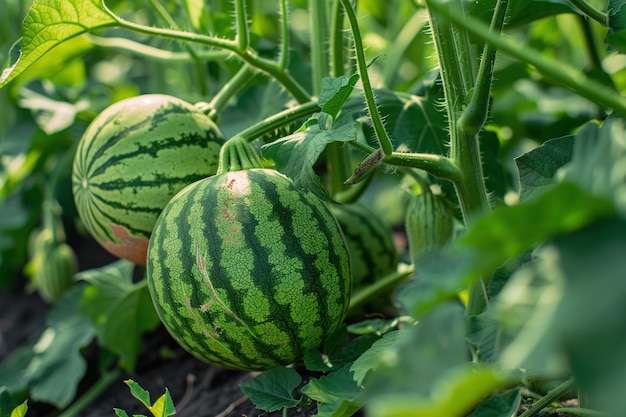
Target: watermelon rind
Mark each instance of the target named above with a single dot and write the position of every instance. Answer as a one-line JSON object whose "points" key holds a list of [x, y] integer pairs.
{"points": [[247, 272]]}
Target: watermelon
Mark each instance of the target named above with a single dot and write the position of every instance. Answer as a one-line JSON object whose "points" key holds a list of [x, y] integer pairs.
{"points": [[248, 272], [132, 159], [370, 242]]}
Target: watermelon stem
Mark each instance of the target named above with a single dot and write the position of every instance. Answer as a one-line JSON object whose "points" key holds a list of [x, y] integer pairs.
{"points": [[379, 128], [248, 55], [237, 155], [277, 121], [378, 287], [235, 84], [243, 36]]}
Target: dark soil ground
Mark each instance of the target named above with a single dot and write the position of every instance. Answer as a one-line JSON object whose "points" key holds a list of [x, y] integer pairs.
{"points": [[197, 389]]}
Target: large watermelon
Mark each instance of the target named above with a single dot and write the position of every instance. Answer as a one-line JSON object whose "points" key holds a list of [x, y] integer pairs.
{"points": [[248, 272], [133, 158], [373, 253]]}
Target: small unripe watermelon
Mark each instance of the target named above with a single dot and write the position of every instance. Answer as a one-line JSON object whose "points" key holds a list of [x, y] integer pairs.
{"points": [[429, 223], [370, 242], [52, 266], [248, 272], [133, 158]]}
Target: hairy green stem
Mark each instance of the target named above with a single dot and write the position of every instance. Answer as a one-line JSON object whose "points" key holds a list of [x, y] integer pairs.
{"points": [[562, 74], [150, 52], [235, 84], [437, 165], [552, 396], [582, 412], [379, 128], [283, 60], [475, 115], [243, 36], [590, 11], [277, 120], [471, 122], [449, 68], [336, 40], [92, 393], [319, 57], [248, 56], [375, 289], [164, 14]]}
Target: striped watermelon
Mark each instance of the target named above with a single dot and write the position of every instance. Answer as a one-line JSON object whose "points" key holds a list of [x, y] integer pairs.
{"points": [[247, 272], [370, 242], [133, 158]]}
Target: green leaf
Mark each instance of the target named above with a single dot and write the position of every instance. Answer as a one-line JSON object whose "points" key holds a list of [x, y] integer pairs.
{"points": [[523, 12], [51, 22], [566, 312], [335, 93], [273, 389], [509, 231], [120, 413], [120, 310], [616, 16], [499, 405], [454, 395], [295, 155], [54, 366], [20, 410], [421, 127], [537, 168], [138, 392], [7, 404], [337, 394], [372, 358], [598, 160], [163, 406]]}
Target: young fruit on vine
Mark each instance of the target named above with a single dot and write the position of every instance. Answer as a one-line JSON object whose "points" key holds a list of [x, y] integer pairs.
{"points": [[429, 223], [373, 253], [133, 158], [248, 272], [52, 266]]}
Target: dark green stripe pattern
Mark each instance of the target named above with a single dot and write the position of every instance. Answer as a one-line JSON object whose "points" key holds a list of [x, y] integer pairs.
{"points": [[247, 272], [370, 242], [135, 156]]}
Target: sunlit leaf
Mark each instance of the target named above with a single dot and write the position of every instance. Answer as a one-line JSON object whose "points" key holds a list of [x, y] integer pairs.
{"points": [[139, 392], [454, 395], [163, 406], [51, 22]]}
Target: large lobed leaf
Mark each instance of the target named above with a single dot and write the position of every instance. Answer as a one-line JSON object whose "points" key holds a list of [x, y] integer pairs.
{"points": [[121, 311], [52, 22]]}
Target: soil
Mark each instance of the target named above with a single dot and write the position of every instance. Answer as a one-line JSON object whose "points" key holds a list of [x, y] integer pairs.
{"points": [[197, 389]]}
